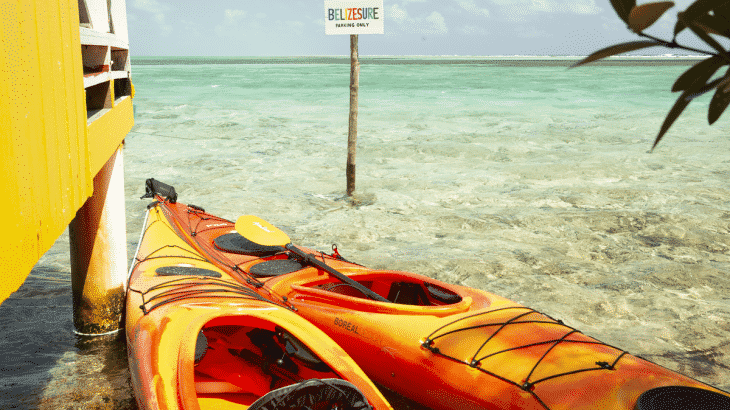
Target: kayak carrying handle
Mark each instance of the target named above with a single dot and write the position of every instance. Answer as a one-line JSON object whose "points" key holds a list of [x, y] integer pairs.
{"points": [[154, 187]]}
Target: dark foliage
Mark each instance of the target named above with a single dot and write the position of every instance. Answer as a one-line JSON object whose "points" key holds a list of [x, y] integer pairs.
{"points": [[704, 18]]}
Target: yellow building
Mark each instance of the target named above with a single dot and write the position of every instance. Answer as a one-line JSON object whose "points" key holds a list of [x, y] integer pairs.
{"points": [[65, 108]]}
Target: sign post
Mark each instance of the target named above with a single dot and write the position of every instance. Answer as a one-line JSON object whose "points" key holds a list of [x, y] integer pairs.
{"points": [[352, 123], [353, 17]]}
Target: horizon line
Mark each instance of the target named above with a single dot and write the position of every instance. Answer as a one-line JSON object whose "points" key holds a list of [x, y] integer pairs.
{"points": [[430, 56]]}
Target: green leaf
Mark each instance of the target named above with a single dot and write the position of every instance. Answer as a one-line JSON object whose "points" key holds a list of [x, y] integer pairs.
{"points": [[617, 49], [623, 8], [679, 106], [706, 38], [720, 100], [642, 17], [704, 89], [682, 103], [702, 7], [698, 74], [693, 12], [722, 10], [679, 25], [722, 17], [713, 25]]}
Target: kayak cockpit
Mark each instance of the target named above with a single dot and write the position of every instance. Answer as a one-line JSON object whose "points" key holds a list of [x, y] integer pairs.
{"points": [[241, 364], [396, 289], [403, 291]]}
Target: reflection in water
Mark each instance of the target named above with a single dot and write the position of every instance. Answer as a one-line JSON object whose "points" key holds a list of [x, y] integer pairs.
{"points": [[45, 365], [95, 376]]}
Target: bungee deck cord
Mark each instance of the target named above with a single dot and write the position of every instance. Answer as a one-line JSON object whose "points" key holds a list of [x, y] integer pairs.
{"points": [[525, 383], [196, 286], [193, 287]]}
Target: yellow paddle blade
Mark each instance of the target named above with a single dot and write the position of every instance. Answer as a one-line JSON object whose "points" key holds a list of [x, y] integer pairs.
{"points": [[261, 232]]}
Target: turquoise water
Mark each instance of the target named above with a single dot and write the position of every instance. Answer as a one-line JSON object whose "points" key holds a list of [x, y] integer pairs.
{"points": [[524, 179]]}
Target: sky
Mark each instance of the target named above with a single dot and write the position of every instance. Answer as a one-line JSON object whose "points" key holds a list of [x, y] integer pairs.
{"points": [[412, 27]]}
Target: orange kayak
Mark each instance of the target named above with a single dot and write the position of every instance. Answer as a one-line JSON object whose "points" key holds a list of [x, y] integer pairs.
{"points": [[441, 345], [197, 339]]}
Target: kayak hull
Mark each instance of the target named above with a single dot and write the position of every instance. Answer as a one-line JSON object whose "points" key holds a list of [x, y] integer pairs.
{"points": [[197, 339], [441, 345], [487, 352]]}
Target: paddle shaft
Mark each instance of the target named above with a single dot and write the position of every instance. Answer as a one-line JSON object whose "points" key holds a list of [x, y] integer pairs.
{"points": [[263, 233], [341, 276]]}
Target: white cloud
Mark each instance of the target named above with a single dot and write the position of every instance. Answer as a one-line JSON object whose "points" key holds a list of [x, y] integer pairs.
{"points": [[192, 28], [231, 21], [233, 16], [531, 32], [433, 24], [157, 9], [584, 7], [569, 6], [468, 29], [518, 9], [397, 14], [437, 25], [258, 32], [472, 8], [151, 6]]}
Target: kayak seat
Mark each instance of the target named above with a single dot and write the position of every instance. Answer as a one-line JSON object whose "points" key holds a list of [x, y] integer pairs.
{"points": [[295, 348], [403, 293], [440, 294], [407, 293], [342, 289], [235, 243]]}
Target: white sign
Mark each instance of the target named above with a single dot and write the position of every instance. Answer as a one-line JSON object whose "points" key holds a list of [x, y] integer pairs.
{"points": [[353, 16]]}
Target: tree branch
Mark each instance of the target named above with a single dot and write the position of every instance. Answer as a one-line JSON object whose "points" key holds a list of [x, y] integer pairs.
{"points": [[674, 44]]}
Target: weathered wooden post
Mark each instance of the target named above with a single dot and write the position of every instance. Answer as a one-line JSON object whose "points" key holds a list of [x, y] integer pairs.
{"points": [[352, 128], [353, 17]]}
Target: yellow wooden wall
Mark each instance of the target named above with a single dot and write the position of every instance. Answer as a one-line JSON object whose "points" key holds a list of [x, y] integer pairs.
{"points": [[48, 154]]}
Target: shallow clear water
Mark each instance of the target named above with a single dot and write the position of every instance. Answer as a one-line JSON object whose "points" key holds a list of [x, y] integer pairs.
{"points": [[532, 182]]}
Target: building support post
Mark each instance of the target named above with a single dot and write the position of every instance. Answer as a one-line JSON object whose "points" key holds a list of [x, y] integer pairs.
{"points": [[98, 239]]}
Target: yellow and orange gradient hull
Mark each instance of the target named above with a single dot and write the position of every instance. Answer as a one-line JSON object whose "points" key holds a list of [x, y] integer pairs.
{"points": [[178, 302], [441, 345]]}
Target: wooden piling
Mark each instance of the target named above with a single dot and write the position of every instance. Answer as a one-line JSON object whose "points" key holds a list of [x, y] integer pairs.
{"points": [[352, 129], [98, 242]]}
